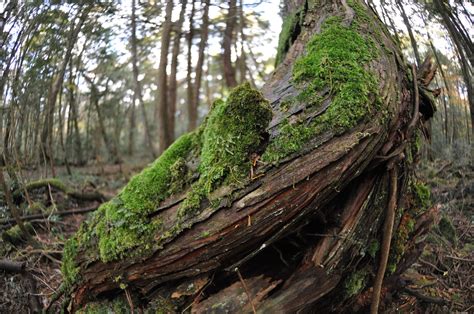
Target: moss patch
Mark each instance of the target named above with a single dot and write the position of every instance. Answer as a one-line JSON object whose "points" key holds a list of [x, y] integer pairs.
{"points": [[355, 283], [333, 67], [15, 236], [122, 227], [234, 129]]}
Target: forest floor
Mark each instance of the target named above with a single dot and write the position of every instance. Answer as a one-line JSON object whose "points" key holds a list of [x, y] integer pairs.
{"points": [[441, 281]]}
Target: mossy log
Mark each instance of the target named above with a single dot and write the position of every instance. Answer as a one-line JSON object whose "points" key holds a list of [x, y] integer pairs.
{"points": [[276, 203], [61, 186]]}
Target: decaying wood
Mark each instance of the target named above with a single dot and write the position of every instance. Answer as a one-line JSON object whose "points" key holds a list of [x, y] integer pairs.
{"points": [[312, 217], [12, 266]]}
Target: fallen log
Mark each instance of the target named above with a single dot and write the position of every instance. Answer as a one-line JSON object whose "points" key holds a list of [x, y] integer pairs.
{"points": [[276, 203], [60, 186], [74, 211]]}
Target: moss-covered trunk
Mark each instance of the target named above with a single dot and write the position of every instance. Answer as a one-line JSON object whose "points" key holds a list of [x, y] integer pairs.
{"points": [[277, 201]]}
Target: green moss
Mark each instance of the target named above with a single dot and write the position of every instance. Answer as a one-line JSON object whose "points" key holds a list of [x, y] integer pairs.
{"points": [[53, 182], [234, 129], [15, 236], [122, 224], [290, 29], [422, 195], [69, 268], [374, 247], [178, 175], [334, 67], [355, 283], [147, 189], [122, 227]]}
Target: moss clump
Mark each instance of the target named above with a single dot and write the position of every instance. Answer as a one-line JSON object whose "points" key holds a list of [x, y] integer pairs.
{"points": [[234, 129], [122, 227], [334, 61], [125, 223], [290, 30], [355, 283], [374, 247], [15, 236], [53, 182], [178, 172], [69, 268], [122, 223], [422, 195]]}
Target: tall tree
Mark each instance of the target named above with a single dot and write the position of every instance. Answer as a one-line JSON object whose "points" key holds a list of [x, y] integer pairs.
{"points": [[173, 84], [161, 112], [228, 36], [193, 113], [137, 88], [464, 46], [56, 84], [413, 41]]}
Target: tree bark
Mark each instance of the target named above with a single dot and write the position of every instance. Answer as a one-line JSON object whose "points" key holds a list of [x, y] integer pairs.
{"points": [[303, 223]]}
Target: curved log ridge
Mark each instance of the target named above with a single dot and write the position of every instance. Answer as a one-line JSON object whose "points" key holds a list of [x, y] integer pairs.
{"points": [[310, 215]]}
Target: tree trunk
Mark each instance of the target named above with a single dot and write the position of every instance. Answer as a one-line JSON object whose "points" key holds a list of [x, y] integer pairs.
{"points": [[137, 88], [227, 66], [282, 203], [173, 85], [406, 21], [47, 133], [193, 108], [161, 112], [464, 47], [189, 81]]}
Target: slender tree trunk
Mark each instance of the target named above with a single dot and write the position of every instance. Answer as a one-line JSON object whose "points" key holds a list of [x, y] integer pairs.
{"points": [[137, 88], [46, 135], [109, 143], [227, 66], [193, 114], [75, 117], [189, 80], [173, 86], [410, 32], [465, 50], [161, 112]]}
